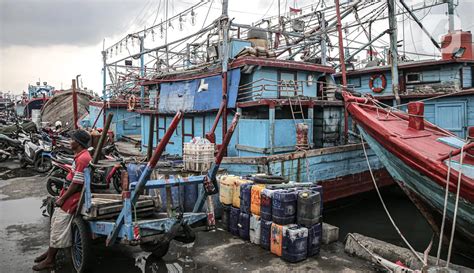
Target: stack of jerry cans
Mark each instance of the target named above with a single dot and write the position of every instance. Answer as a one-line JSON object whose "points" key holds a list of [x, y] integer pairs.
{"points": [[244, 218], [309, 216], [255, 229], [226, 193]]}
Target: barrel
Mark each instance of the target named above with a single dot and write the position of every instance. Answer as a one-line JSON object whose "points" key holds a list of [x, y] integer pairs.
{"points": [[244, 226], [266, 204], [255, 229], [265, 231], [190, 197], [295, 243], [309, 208], [314, 239], [226, 216], [284, 207], [255, 197], [245, 197], [135, 171], [226, 189], [276, 239], [234, 221], [236, 193]]}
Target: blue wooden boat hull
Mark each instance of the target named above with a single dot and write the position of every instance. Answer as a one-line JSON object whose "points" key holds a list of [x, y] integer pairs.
{"points": [[428, 196]]}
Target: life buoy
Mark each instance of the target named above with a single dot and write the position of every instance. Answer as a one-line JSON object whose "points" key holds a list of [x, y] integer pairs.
{"points": [[373, 78], [132, 101]]}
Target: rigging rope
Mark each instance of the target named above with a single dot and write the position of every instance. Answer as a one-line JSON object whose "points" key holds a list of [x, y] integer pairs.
{"points": [[440, 243], [385, 207], [453, 228]]}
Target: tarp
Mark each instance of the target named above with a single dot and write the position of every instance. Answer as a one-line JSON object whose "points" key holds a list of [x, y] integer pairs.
{"points": [[198, 95]]}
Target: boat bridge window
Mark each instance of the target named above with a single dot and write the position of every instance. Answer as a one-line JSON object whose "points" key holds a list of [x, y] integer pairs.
{"points": [[414, 78], [354, 82]]}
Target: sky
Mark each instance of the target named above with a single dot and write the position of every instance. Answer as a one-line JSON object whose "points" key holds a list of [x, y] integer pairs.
{"points": [[55, 40]]}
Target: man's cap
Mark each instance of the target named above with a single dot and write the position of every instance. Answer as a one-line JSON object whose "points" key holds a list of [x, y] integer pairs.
{"points": [[82, 137]]}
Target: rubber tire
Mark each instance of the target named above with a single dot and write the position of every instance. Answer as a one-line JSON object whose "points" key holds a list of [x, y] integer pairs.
{"points": [[157, 250], [117, 181], [38, 163], [270, 179], [23, 163], [49, 184], [81, 235]]}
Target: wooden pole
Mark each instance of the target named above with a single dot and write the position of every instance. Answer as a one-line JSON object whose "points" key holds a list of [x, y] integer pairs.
{"points": [[74, 103]]}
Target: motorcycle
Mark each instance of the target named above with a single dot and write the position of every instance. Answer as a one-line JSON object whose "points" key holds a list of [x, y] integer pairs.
{"points": [[103, 177], [33, 155], [10, 146]]}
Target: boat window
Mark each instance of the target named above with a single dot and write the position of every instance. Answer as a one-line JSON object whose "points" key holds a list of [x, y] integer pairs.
{"points": [[414, 77], [354, 82]]}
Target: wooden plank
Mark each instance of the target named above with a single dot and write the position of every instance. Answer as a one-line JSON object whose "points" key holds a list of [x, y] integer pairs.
{"points": [[140, 213], [118, 208]]}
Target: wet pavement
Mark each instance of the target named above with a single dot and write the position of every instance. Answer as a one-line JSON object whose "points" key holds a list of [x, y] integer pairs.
{"points": [[24, 234]]}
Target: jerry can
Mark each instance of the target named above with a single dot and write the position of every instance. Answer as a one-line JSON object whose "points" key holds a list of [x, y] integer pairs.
{"points": [[244, 226], [234, 221], [276, 239], [309, 208], [265, 231], [319, 189], [284, 207], [314, 239], [294, 243], [255, 229], [266, 204], [245, 197], [236, 193], [255, 197], [226, 216], [226, 189]]}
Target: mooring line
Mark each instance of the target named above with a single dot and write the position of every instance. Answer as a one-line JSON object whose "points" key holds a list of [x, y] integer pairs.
{"points": [[385, 207]]}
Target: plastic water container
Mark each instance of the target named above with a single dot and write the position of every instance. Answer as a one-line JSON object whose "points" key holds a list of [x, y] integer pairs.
{"points": [[319, 189], [314, 239], [295, 243], [236, 195], [244, 226], [266, 204], [226, 188], [226, 216], [255, 197], [190, 197], [255, 229], [245, 197], [276, 239], [135, 171], [265, 234], [234, 221], [284, 207], [309, 208]]}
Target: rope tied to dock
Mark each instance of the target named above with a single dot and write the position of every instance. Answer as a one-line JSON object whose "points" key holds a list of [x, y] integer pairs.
{"points": [[440, 243], [385, 207]]}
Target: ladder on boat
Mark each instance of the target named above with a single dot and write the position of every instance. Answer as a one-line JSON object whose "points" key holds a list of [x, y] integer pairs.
{"points": [[296, 109]]}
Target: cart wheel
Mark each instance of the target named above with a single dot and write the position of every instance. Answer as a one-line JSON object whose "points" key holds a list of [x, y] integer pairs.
{"points": [[117, 181], [54, 187], [158, 250], [43, 164], [81, 245]]}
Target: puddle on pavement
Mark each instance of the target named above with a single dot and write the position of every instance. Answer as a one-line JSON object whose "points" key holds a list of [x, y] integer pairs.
{"points": [[20, 212]]}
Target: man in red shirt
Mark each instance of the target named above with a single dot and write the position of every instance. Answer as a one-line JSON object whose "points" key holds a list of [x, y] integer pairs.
{"points": [[61, 235]]}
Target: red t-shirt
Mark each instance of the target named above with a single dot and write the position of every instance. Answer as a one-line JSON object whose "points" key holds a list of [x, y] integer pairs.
{"points": [[76, 176]]}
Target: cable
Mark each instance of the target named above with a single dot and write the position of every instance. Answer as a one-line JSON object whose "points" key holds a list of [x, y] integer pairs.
{"points": [[440, 243]]}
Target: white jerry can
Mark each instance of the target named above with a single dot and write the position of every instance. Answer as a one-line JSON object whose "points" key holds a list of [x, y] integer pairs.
{"points": [[255, 229]]}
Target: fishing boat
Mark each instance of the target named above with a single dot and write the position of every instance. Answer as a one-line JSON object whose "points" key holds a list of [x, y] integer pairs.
{"points": [[423, 158], [37, 96]]}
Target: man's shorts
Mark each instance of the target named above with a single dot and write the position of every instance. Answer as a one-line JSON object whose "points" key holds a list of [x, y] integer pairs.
{"points": [[61, 234]]}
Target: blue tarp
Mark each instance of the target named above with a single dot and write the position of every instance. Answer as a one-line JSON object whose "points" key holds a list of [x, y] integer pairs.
{"points": [[198, 95]]}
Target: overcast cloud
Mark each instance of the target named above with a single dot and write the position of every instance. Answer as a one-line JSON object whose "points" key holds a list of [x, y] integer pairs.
{"points": [[61, 22]]}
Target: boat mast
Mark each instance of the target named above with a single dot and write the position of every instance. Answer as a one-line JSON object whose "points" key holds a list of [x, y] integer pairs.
{"points": [[341, 45], [225, 57], [393, 48]]}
